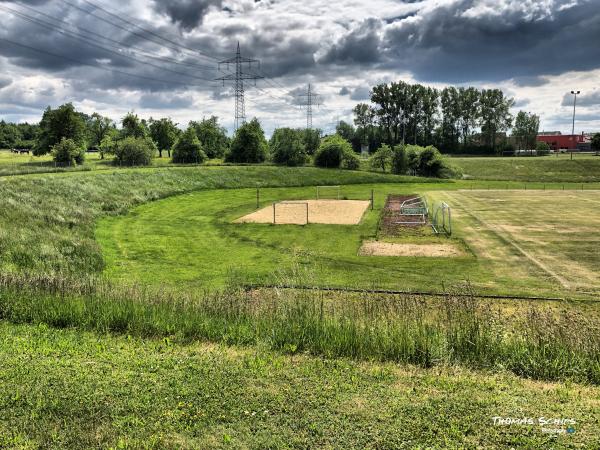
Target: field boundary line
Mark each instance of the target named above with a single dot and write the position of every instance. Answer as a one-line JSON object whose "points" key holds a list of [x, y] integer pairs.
{"points": [[507, 237]]}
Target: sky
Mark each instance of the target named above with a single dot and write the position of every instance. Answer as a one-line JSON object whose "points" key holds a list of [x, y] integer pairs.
{"points": [[160, 58]]}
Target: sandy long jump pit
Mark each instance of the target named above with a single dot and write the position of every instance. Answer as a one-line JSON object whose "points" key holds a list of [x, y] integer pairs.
{"points": [[376, 248], [301, 212]]}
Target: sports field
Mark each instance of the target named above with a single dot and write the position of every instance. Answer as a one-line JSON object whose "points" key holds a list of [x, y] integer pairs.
{"points": [[507, 242]]}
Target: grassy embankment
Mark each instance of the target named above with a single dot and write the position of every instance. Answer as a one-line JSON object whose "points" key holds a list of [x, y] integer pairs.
{"points": [[583, 168]]}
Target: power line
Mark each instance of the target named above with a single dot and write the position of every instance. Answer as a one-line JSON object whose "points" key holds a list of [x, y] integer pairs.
{"points": [[85, 63], [120, 44], [87, 41], [174, 46], [238, 78]]}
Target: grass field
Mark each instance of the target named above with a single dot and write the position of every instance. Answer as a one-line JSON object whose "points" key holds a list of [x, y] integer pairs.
{"points": [[583, 168], [72, 389], [108, 337], [536, 243]]}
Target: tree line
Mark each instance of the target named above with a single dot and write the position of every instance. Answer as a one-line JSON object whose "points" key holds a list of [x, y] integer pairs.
{"points": [[453, 119]]}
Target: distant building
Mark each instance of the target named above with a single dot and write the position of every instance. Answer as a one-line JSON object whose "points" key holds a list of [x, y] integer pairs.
{"points": [[557, 141]]}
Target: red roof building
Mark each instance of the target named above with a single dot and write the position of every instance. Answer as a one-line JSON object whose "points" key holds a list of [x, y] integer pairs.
{"points": [[564, 141]]}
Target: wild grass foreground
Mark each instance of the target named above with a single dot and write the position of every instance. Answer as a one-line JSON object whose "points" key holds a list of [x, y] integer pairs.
{"points": [[536, 342]]}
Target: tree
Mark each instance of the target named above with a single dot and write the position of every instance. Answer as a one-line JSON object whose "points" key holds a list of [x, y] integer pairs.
{"points": [[10, 135], [132, 151], [288, 147], [68, 152], [249, 144], [399, 160], [99, 128], [108, 145], [333, 151], [468, 112], [164, 133], [542, 148], [188, 148], [382, 158], [596, 142], [56, 124], [312, 139], [132, 126], [526, 130], [212, 136], [495, 115]]}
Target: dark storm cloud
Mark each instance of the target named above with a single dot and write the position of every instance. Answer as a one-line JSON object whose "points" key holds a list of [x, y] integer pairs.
{"points": [[460, 42], [584, 99], [359, 46], [361, 93], [165, 101], [530, 81], [344, 91], [187, 13], [5, 81]]}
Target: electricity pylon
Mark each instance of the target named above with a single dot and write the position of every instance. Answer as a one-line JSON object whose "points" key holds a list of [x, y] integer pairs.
{"points": [[310, 98], [238, 80]]}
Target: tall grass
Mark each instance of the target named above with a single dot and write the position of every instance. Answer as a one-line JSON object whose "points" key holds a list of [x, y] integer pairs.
{"points": [[456, 329]]}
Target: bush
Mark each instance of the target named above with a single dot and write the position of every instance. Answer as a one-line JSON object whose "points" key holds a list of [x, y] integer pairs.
{"points": [[399, 160], [288, 147], [188, 149], [67, 152], [249, 144], [350, 160], [332, 151], [133, 151], [542, 148], [596, 142], [382, 158]]}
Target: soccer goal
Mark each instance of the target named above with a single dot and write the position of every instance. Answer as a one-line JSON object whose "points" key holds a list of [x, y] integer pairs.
{"points": [[290, 212], [442, 219], [329, 192]]}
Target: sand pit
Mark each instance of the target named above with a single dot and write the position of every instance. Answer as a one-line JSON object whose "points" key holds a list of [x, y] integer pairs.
{"points": [[334, 212], [375, 248]]}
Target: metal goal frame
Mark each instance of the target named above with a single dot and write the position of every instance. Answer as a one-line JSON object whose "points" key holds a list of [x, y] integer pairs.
{"points": [[339, 191], [289, 202]]}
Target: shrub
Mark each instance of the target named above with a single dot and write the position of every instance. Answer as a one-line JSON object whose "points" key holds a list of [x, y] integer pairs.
{"points": [[430, 162], [331, 152], [399, 160], [188, 149], [350, 160], [249, 144], [133, 151], [288, 147], [542, 148], [68, 152], [596, 142], [382, 158]]}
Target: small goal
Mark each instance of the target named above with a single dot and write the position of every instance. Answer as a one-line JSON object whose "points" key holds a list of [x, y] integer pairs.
{"points": [[442, 219], [291, 212], [329, 192]]}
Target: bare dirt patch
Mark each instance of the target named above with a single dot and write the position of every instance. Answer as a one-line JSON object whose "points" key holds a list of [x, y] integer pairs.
{"points": [[375, 248], [333, 212]]}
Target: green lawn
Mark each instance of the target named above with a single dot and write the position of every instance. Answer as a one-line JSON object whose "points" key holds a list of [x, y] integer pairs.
{"points": [[80, 390], [556, 168], [537, 243]]}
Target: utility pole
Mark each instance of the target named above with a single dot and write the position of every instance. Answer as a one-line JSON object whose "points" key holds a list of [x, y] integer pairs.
{"points": [[238, 80], [575, 93], [310, 98]]}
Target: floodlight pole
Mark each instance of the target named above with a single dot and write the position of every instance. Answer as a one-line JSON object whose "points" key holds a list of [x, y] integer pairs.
{"points": [[574, 93]]}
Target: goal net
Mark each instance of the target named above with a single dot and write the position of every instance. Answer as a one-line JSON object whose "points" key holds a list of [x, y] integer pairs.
{"points": [[328, 192], [442, 219], [290, 212]]}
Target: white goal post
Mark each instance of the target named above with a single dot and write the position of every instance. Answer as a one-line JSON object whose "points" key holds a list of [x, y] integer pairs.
{"points": [[322, 192], [277, 206]]}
